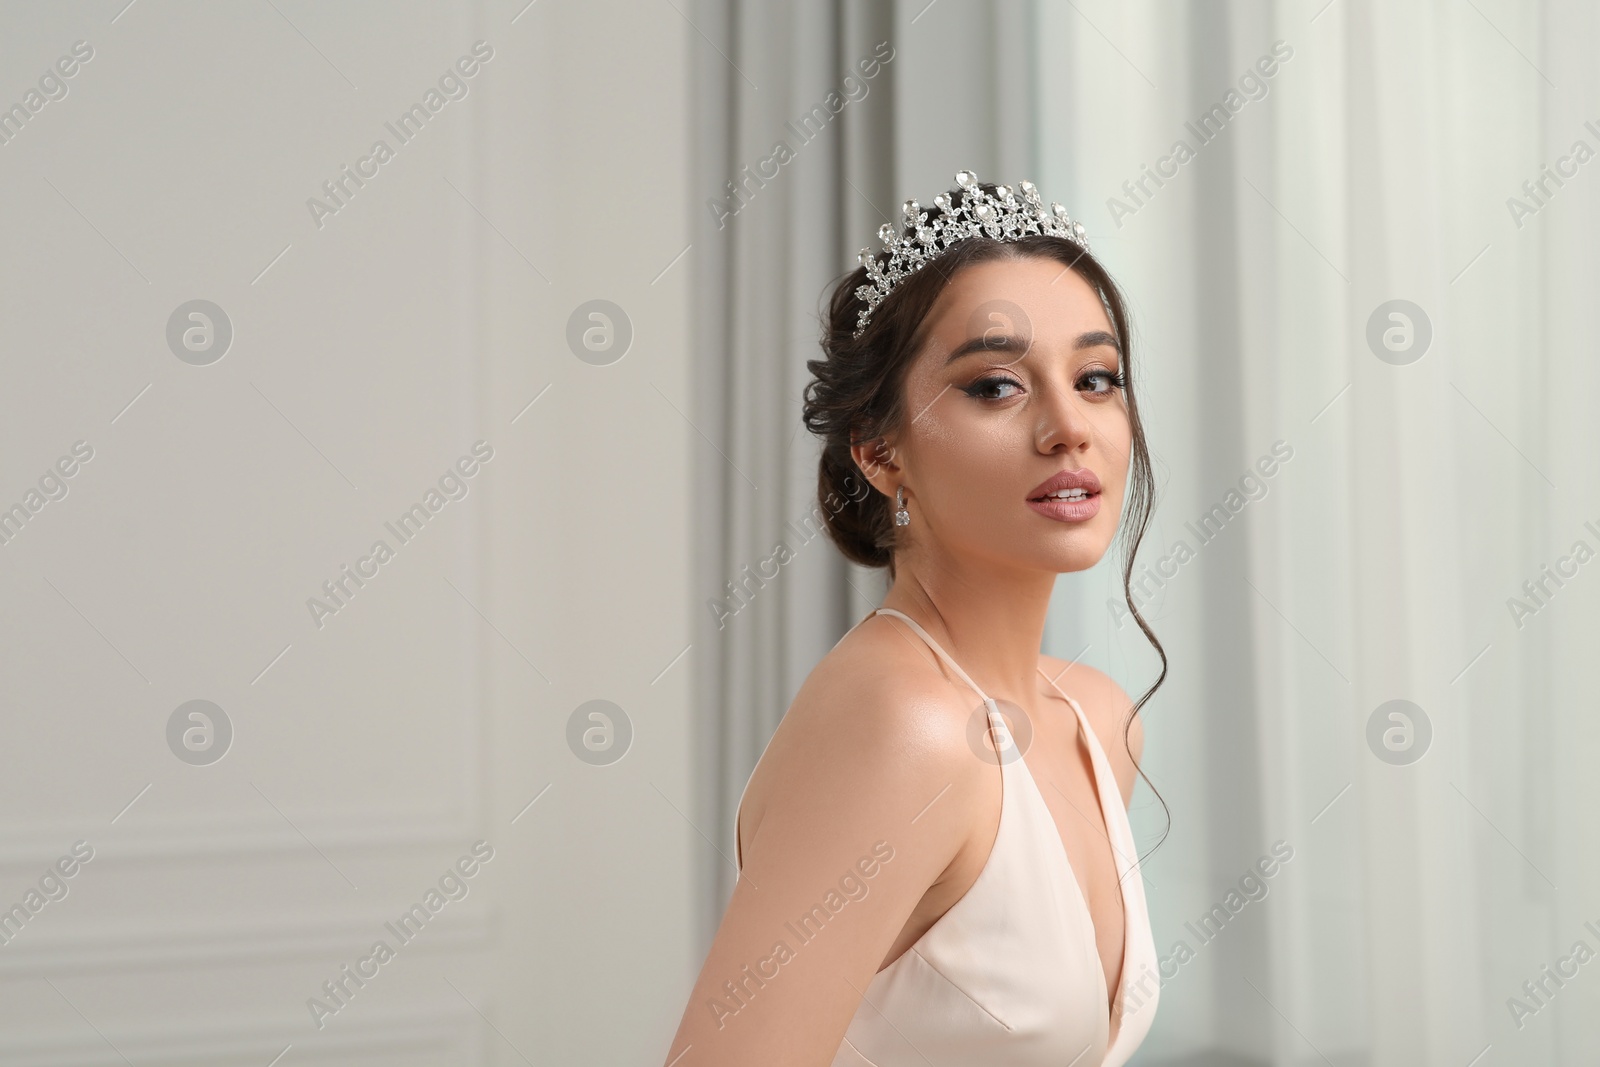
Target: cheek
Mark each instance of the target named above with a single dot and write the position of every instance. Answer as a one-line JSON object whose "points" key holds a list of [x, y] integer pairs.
{"points": [[1117, 433], [959, 462], [962, 461], [970, 449]]}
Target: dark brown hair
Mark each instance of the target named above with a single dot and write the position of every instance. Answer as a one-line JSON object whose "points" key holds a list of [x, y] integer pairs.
{"points": [[857, 395]]}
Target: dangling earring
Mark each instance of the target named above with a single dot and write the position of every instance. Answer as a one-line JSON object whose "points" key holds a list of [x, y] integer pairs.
{"points": [[902, 517]]}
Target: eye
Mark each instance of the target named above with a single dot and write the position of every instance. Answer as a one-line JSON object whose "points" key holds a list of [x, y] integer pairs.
{"points": [[980, 389], [1109, 382]]}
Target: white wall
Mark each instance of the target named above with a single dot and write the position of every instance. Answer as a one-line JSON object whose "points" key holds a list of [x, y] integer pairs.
{"points": [[368, 354]]}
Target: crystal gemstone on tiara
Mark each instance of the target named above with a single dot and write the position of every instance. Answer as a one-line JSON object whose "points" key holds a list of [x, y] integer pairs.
{"points": [[1000, 216]]}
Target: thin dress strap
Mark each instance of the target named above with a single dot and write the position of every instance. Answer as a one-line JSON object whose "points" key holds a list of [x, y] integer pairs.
{"points": [[942, 654]]}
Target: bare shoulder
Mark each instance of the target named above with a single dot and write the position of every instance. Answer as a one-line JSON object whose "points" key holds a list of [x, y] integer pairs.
{"points": [[1107, 706], [866, 798], [876, 717]]}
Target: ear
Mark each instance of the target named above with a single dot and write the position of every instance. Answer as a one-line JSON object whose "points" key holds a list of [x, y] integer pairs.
{"points": [[879, 464]]}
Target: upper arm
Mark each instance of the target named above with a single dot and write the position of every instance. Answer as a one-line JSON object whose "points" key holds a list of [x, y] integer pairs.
{"points": [[868, 802]]}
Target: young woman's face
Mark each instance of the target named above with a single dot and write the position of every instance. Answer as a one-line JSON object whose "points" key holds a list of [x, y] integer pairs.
{"points": [[1017, 381]]}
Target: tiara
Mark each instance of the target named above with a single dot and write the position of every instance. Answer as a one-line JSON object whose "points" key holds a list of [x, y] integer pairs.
{"points": [[974, 212]]}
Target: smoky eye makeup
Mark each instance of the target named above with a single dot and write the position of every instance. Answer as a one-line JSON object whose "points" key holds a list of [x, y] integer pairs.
{"points": [[989, 387], [1094, 381], [1112, 379]]}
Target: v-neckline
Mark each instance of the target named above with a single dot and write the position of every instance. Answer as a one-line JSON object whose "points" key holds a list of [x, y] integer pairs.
{"points": [[1097, 757]]}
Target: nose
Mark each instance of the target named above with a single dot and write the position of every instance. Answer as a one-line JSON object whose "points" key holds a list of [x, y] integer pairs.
{"points": [[1063, 424]]}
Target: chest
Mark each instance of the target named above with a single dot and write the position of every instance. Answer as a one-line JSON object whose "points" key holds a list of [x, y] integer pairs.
{"points": [[1059, 760]]}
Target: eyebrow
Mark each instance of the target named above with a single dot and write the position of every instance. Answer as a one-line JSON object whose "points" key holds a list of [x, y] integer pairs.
{"points": [[1008, 343]]}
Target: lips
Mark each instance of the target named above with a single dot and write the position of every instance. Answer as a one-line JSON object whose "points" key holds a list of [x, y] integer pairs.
{"points": [[1083, 478], [1081, 505]]}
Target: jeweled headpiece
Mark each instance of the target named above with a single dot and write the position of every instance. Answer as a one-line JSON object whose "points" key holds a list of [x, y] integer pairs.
{"points": [[971, 212]]}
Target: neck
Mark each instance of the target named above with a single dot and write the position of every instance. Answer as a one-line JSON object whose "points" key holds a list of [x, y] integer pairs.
{"points": [[991, 620]]}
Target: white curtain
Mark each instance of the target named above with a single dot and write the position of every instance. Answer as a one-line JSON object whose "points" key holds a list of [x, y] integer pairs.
{"points": [[1359, 498], [769, 227], [1385, 558], [868, 100]]}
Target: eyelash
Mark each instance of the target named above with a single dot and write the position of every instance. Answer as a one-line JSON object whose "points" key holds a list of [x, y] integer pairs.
{"points": [[976, 389]]}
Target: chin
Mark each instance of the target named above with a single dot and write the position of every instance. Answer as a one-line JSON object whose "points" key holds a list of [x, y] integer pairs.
{"points": [[1075, 552], [1076, 560]]}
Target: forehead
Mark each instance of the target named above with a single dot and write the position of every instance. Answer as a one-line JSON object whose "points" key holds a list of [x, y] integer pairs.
{"points": [[1038, 297]]}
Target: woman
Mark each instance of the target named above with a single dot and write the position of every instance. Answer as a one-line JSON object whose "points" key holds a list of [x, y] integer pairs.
{"points": [[936, 865]]}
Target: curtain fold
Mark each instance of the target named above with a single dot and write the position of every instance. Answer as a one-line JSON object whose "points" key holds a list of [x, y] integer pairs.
{"points": [[950, 87], [775, 160], [1343, 521], [1383, 561]]}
